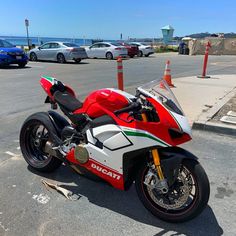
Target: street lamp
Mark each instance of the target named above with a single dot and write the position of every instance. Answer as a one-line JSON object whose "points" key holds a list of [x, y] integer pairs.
{"points": [[27, 26]]}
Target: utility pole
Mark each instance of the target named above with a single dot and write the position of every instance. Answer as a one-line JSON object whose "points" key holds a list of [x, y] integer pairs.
{"points": [[27, 31]]}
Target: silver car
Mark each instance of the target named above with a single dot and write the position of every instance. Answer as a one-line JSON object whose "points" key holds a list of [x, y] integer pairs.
{"points": [[58, 51]]}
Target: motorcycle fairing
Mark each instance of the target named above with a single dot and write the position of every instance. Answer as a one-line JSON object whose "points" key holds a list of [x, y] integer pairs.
{"points": [[48, 82], [110, 158]]}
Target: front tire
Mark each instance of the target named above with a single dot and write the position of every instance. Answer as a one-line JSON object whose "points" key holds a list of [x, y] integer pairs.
{"points": [[186, 198], [109, 56], [140, 53], [33, 56], [35, 132]]}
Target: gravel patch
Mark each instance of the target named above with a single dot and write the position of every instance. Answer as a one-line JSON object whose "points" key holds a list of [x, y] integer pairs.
{"points": [[229, 106]]}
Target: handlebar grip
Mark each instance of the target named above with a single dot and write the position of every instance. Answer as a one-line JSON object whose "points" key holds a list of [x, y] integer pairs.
{"points": [[131, 107]]}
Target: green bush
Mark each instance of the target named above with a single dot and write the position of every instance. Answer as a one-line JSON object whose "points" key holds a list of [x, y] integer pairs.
{"points": [[163, 48]]}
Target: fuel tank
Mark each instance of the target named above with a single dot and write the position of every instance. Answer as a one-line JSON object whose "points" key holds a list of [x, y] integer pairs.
{"points": [[109, 99]]}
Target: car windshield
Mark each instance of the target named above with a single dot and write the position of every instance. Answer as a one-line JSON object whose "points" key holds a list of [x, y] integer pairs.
{"points": [[70, 44], [159, 90], [5, 44]]}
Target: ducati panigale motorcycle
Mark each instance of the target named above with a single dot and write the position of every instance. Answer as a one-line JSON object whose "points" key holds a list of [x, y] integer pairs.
{"points": [[121, 139]]}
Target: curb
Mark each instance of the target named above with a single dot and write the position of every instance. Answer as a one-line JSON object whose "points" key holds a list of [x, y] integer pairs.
{"points": [[215, 127], [204, 121]]}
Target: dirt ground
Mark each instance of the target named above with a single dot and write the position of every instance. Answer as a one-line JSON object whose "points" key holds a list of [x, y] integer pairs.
{"points": [[229, 106]]}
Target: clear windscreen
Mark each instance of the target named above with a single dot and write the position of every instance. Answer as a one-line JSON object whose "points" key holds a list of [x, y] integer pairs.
{"points": [[160, 90]]}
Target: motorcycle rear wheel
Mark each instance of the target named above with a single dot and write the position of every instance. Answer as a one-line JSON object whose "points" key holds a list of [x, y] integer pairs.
{"points": [[35, 132], [186, 198]]}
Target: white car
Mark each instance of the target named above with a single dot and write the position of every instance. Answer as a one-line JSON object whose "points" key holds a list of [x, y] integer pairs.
{"points": [[145, 50], [106, 50]]}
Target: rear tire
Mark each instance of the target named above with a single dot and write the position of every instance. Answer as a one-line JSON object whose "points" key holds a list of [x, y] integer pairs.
{"points": [[147, 55], [35, 132], [161, 206], [22, 64], [33, 56], [78, 60], [61, 58], [109, 56]]}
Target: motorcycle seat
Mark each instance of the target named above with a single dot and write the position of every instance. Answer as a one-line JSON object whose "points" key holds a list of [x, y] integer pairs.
{"points": [[67, 101]]}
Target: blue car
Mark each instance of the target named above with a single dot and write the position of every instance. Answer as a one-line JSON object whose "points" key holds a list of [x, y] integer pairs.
{"points": [[9, 54]]}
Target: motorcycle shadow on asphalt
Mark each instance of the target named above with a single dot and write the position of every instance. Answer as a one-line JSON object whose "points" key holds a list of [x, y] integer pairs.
{"points": [[127, 203], [66, 63]]}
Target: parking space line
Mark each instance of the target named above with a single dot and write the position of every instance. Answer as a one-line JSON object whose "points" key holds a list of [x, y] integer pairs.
{"points": [[10, 153]]}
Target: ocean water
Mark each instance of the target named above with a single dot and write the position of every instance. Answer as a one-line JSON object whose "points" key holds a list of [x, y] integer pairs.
{"points": [[22, 41]]}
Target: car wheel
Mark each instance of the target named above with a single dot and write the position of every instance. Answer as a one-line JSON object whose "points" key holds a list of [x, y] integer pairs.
{"points": [[131, 56], [61, 58], [140, 53], [78, 60], [109, 56], [33, 56], [147, 55], [22, 64]]}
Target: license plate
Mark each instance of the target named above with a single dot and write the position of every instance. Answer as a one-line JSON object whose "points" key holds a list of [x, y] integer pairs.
{"points": [[18, 57]]}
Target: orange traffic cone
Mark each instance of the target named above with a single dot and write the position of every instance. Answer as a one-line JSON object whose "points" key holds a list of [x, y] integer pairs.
{"points": [[167, 74]]}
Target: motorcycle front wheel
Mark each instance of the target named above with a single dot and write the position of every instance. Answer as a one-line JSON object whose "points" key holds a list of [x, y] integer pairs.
{"points": [[185, 199]]}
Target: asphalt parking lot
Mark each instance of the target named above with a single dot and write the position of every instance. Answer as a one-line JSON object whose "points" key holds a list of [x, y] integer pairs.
{"points": [[28, 208]]}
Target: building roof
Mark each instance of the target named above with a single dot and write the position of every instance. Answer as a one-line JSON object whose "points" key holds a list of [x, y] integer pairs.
{"points": [[167, 27]]}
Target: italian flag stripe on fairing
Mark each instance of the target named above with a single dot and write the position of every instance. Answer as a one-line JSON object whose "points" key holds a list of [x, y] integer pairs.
{"points": [[50, 79], [133, 133]]}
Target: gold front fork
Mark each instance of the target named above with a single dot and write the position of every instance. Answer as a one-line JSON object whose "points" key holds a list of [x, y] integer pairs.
{"points": [[144, 117], [155, 155], [156, 159]]}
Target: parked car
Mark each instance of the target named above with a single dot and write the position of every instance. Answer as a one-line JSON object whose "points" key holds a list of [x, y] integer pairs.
{"points": [[58, 51], [132, 49], [9, 54], [145, 50], [106, 50]]}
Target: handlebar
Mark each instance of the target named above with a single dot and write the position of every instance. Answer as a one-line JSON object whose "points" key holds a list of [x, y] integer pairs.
{"points": [[135, 106]]}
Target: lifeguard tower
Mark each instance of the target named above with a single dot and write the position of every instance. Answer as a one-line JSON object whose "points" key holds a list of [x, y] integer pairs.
{"points": [[167, 32]]}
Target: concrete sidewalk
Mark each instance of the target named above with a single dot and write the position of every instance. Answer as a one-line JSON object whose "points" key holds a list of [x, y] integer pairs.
{"points": [[201, 99]]}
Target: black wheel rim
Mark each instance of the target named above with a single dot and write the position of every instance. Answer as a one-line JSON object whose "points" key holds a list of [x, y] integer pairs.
{"points": [[109, 56], [60, 58], [36, 137], [165, 202], [33, 57]]}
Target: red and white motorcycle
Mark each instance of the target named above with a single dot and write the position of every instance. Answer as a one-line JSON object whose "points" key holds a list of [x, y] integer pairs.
{"points": [[121, 139]]}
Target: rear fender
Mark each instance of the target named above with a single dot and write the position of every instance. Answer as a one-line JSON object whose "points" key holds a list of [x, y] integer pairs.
{"points": [[171, 159], [59, 122]]}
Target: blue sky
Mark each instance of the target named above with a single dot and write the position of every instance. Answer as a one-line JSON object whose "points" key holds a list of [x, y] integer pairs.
{"points": [[107, 19]]}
